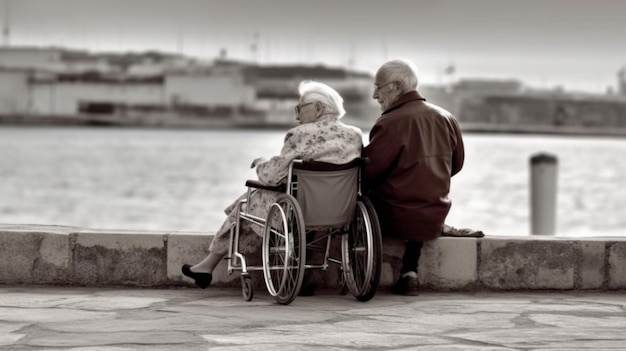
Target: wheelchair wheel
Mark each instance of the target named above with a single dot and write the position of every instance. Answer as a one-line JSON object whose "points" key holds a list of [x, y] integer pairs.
{"points": [[284, 249], [362, 252], [247, 289]]}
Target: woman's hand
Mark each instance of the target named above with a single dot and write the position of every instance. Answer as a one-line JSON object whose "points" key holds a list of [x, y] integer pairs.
{"points": [[257, 161]]}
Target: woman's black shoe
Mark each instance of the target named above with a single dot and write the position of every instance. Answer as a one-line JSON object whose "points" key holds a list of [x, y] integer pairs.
{"points": [[202, 280]]}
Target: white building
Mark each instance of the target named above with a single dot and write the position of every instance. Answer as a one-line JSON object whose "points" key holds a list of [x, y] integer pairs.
{"points": [[207, 88], [14, 91], [51, 81], [30, 57], [70, 94], [127, 87]]}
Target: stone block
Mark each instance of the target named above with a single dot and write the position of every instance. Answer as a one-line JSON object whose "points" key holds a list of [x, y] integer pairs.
{"points": [[617, 265], [591, 264], [34, 254], [527, 263], [387, 275], [393, 250], [449, 264], [185, 248], [120, 258], [446, 263], [18, 253], [54, 263]]}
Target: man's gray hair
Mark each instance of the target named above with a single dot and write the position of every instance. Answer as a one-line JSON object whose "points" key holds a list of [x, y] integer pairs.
{"points": [[312, 91], [400, 70]]}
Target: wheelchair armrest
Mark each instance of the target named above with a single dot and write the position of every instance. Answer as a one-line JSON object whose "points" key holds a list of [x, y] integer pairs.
{"points": [[258, 185]]}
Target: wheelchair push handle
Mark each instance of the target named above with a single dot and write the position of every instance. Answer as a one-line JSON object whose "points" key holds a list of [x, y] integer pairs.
{"points": [[326, 166]]}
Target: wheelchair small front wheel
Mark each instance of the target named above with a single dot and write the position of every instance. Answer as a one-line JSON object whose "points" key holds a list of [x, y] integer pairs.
{"points": [[341, 282], [247, 288], [284, 249]]}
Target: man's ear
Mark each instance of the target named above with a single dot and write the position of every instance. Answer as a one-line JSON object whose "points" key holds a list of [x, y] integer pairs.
{"points": [[398, 85]]}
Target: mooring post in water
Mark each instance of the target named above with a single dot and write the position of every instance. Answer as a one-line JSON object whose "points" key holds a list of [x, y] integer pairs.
{"points": [[543, 189]]}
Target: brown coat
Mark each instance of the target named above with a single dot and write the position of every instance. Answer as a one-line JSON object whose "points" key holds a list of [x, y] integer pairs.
{"points": [[415, 148]]}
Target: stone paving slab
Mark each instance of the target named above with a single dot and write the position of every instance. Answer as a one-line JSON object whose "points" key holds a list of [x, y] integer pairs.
{"points": [[121, 319]]}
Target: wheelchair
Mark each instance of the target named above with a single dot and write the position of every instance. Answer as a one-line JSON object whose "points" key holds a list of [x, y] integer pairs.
{"points": [[321, 201]]}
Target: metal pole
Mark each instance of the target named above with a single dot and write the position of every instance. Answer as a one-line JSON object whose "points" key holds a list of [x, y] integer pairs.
{"points": [[543, 184]]}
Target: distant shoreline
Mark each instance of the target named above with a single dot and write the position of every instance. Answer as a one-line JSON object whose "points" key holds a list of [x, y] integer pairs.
{"points": [[212, 123], [542, 129]]}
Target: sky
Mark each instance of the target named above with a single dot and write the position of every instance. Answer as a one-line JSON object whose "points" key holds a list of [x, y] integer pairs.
{"points": [[575, 44]]}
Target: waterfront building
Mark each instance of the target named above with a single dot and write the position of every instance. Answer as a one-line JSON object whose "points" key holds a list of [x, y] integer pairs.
{"points": [[14, 90], [547, 111], [65, 86], [509, 106], [30, 57]]}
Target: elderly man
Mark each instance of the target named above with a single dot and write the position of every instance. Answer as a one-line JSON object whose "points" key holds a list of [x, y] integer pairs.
{"points": [[415, 148]]}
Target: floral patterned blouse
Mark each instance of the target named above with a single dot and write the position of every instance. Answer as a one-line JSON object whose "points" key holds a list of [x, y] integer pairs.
{"points": [[326, 140]]}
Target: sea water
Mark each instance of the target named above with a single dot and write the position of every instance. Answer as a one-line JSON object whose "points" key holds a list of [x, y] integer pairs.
{"points": [[181, 179]]}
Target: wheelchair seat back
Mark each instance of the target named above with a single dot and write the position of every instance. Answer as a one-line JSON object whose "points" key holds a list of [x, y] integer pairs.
{"points": [[326, 192]]}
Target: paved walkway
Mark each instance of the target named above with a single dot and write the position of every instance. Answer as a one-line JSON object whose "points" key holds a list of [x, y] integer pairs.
{"points": [[71, 318]]}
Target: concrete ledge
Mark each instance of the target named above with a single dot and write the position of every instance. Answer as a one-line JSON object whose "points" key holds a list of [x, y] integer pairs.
{"points": [[55, 255]]}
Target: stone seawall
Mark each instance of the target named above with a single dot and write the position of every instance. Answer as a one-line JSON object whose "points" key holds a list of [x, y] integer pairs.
{"points": [[56, 255]]}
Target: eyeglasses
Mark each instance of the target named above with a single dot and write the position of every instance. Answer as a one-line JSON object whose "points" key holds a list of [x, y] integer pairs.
{"points": [[298, 108], [377, 87]]}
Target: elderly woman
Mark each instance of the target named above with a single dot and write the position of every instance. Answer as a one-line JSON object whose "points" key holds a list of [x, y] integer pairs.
{"points": [[319, 137]]}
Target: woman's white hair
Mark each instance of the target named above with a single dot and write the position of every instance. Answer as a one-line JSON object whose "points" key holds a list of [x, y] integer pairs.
{"points": [[311, 91], [400, 70]]}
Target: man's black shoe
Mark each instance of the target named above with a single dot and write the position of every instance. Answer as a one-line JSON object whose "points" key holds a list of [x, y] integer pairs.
{"points": [[407, 285]]}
